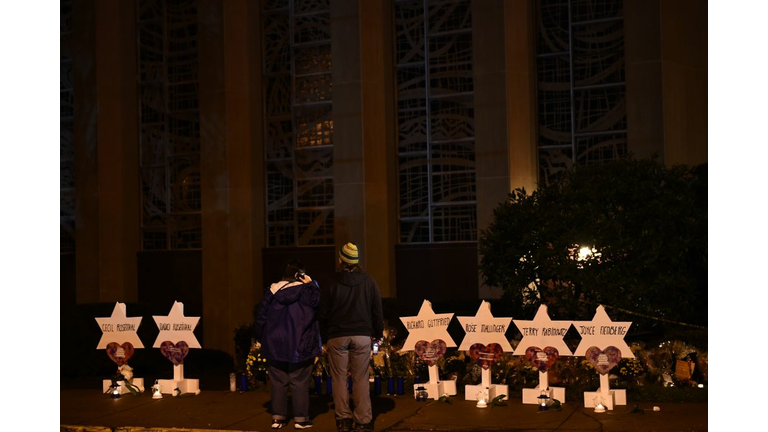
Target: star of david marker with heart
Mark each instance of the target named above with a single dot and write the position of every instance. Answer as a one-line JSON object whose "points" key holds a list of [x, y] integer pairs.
{"points": [[119, 329], [176, 327], [601, 332], [427, 326], [542, 331], [485, 329]]}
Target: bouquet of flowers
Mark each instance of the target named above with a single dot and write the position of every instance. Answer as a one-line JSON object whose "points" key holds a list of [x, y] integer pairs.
{"points": [[256, 367]]}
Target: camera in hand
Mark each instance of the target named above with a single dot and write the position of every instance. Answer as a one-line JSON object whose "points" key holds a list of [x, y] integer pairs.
{"points": [[299, 275]]}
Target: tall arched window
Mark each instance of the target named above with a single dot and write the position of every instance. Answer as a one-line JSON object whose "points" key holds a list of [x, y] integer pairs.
{"points": [[581, 91], [436, 138], [169, 125], [298, 103]]}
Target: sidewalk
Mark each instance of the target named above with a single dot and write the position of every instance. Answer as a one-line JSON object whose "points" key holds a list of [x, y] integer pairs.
{"points": [[217, 410]]}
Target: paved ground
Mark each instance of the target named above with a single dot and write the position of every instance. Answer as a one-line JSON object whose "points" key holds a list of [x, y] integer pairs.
{"points": [[215, 410]]}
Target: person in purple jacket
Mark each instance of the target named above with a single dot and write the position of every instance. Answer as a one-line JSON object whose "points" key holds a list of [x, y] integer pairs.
{"points": [[289, 333]]}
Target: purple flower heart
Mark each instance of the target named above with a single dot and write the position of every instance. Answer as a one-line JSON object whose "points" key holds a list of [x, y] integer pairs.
{"points": [[603, 360], [430, 352], [542, 359], [120, 353], [174, 352]]}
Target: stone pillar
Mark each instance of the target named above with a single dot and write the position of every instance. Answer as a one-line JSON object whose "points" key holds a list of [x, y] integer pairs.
{"points": [[106, 150], [520, 38], [490, 101], [642, 54], [365, 199], [231, 167], [666, 60], [505, 110], [684, 81]]}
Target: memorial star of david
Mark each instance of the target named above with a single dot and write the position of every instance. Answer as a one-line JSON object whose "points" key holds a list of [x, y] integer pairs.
{"points": [[176, 327], [484, 328], [601, 332], [542, 332], [118, 328], [427, 326]]}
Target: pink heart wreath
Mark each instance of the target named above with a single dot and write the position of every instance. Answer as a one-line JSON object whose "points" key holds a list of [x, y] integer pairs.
{"points": [[430, 352], [174, 353], [120, 353], [603, 360], [485, 355], [542, 359]]}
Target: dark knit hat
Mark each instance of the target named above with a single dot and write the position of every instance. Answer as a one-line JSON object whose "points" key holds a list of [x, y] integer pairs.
{"points": [[349, 253]]}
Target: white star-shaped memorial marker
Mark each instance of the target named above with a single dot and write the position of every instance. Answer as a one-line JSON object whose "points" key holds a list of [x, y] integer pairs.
{"points": [[427, 326], [484, 328], [176, 327], [118, 328], [542, 332], [601, 332]]}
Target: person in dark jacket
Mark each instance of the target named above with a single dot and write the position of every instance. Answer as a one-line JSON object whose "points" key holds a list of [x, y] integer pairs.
{"points": [[351, 318], [289, 333]]}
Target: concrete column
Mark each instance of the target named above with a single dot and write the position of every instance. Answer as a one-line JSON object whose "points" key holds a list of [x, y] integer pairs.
{"points": [[505, 111], [684, 81], [364, 164], [106, 151], [491, 135], [520, 38], [642, 54], [231, 166]]}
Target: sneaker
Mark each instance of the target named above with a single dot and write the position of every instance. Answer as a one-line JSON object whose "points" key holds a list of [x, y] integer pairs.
{"points": [[303, 425], [344, 425], [278, 424]]}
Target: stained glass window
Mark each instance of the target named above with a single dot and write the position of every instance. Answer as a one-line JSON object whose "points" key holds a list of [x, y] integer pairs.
{"points": [[580, 78], [298, 103], [169, 125], [436, 146]]}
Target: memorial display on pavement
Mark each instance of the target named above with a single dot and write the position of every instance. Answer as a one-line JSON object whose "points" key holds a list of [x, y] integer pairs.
{"points": [[175, 339], [602, 344], [542, 344], [485, 340], [428, 337], [119, 340]]}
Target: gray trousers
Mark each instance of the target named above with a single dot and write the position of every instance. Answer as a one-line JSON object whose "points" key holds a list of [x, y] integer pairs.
{"points": [[345, 353], [296, 376]]}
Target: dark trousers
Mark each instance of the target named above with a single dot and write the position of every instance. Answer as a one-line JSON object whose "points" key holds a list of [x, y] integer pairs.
{"points": [[351, 352], [296, 376]]}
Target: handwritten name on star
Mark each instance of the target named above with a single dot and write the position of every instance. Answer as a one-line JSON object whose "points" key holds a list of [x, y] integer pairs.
{"points": [[430, 323], [545, 331], [603, 330], [174, 327], [118, 328], [485, 328]]}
